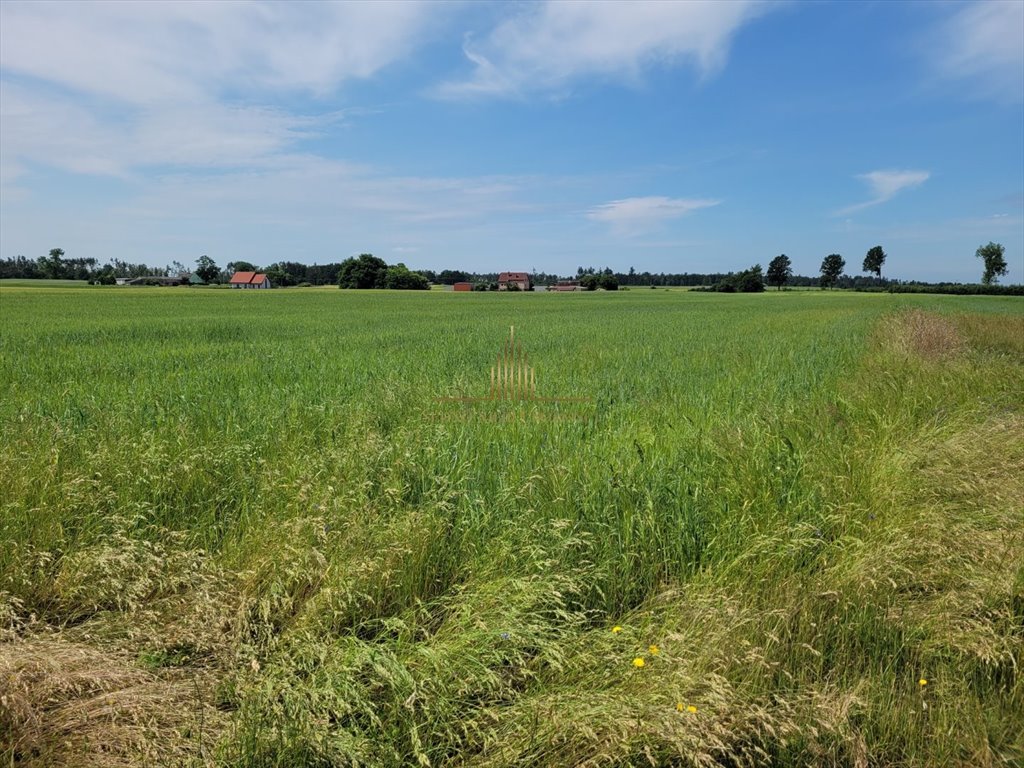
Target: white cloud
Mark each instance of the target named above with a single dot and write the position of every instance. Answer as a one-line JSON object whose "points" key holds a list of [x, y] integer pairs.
{"points": [[154, 52], [549, 45], [111, 88], [982, 45], [884, 186], [67, 135], [637, 214]]}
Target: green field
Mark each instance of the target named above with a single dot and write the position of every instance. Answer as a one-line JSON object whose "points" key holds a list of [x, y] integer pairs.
{"points": [[248, 529]]}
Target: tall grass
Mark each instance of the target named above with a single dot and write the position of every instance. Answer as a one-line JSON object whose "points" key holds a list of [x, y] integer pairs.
{"points": [[794, 508]]}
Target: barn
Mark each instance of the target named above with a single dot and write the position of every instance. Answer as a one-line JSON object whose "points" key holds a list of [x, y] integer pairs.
{"points": [[462, 287]]}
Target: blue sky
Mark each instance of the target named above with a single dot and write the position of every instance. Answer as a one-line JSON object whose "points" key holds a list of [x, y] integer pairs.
{"points": [[662, 136]]}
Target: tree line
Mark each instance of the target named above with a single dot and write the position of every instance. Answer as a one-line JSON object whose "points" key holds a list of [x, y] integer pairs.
{"points": [[369, 271]]}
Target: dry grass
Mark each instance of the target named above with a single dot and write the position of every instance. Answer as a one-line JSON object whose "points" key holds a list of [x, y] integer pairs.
{"points": [[67, 704], [924, 334]]}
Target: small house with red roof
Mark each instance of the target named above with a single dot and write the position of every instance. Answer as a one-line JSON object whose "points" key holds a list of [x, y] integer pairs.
{"points": [[521, 281], [249, 280]]}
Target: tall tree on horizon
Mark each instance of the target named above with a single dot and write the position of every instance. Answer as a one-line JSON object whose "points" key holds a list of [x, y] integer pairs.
{"points": [[874, 260], [832, 267], [780, 269], [995, 264]]}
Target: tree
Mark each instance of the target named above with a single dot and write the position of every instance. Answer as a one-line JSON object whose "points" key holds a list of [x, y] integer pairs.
{"points": [[995, 264], [400, 278], [832, 267], [780, 269], [241, 266], [278, 276], [53, 266], [608, 282], [364, 271], [748, 281], [874, 260], [588, 282], [207, 270]]}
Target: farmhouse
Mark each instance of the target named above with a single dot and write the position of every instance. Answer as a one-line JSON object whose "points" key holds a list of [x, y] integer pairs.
{"points": [[521, 281], [249, 280]]}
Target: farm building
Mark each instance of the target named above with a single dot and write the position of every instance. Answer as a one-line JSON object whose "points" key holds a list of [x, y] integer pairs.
{"points": [[521, 281], [249, 280], [462, 287], [567, 285]]}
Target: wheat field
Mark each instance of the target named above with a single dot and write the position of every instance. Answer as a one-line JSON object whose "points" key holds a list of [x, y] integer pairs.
{"points": [[294, 528]]}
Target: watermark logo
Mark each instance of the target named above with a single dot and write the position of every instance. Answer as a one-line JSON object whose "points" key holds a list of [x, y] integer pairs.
{"points": [[513, 380]]}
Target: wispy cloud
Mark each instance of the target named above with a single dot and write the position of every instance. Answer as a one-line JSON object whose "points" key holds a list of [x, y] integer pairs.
{"points": [[638, 214], [549, 45], [111, 88], [982, 46], [884, 186], [154, 52]]}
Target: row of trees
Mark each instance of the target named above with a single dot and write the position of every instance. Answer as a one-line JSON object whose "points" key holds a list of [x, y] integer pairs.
{"points": [[367, 270]]}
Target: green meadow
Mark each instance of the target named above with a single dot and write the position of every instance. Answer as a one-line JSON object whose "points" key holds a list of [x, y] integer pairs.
{"points": [[289, 528]]}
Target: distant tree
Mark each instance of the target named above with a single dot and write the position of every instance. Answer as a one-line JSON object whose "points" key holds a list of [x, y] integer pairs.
{"points": [[364, 271], [400, 278], [874, 260], [452, 276], [995, 264], [780, 269], [207, 270], [279, 276], [241, 266], [832, 267], [751, 280], [53, 266], [748, 281], [588, 281], [608, 282]]}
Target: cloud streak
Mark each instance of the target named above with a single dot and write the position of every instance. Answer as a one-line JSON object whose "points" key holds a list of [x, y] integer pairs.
{"points": [[982, 46], [638, 214], [550, 45], [884, 186]]}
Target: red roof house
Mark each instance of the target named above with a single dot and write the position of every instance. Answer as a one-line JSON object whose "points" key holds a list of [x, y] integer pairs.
{"points": [[249, 280], [520, 279]]}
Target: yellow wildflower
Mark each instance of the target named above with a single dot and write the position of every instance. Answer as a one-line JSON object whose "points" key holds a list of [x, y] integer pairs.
{"points": [[638, 662], [691, 709], [654, 650], [922, 682], [680, 707], [616, 629]]}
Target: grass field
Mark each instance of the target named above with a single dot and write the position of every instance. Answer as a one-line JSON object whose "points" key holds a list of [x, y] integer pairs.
{"points": [[247, 529]]}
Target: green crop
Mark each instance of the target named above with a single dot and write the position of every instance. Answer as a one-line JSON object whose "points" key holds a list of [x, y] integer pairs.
{"points": [[291, 528]]}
